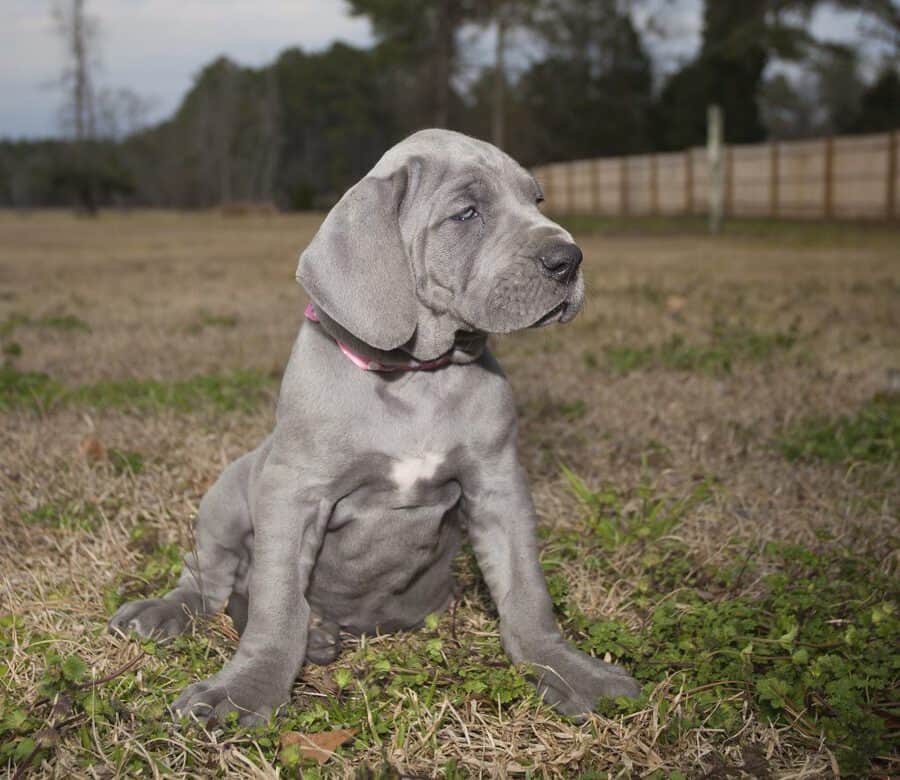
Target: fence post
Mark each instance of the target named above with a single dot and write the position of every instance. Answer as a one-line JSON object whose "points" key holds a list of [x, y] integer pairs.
{"points": [[774, 177], [654, 184], [828, 175], [623, 187], [689, 181], [729, 180], [714, 153], [595, 187], [890, 201], [570, 187]]}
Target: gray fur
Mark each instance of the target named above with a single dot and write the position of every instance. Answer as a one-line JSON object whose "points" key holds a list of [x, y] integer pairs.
{"points": [[348, 516]]}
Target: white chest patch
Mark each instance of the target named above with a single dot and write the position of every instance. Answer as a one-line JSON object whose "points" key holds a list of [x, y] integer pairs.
{"points": [[405, 473]]}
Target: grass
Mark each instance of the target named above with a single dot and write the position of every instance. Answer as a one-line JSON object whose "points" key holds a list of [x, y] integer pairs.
{"points": [[63, 517], [811, 651], [727, 348], [794, 232], [724, 524], [62, 322], [239, 390], [207, 320], [870, 435]]}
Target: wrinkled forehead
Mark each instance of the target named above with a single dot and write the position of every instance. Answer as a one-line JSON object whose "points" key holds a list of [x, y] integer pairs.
{"points": [[446, 160]]}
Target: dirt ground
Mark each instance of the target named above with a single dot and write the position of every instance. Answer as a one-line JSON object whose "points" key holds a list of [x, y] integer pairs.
{"points": [[670, 396]]}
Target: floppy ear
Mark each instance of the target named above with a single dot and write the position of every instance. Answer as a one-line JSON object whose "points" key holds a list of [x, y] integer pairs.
{"points": [[356, 267]]}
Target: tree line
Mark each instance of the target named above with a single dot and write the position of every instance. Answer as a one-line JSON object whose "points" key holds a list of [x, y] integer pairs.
{"points": [[564, 79]]}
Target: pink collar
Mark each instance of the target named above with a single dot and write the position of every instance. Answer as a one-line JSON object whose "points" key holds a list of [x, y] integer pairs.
{"points": [[365, 364]]}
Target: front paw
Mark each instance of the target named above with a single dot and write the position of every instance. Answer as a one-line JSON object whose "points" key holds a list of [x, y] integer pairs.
{"points": [[151, 618], [574, 682], [250, 692]]}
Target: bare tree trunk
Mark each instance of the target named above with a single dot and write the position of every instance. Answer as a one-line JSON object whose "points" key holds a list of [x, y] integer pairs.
{"points": [[271, 141], [77, 32], [445, 33], [225, 128], [81, 85], [498, 100]]}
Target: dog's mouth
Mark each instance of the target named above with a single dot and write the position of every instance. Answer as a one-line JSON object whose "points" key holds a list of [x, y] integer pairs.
{"points": [[555, 314]]}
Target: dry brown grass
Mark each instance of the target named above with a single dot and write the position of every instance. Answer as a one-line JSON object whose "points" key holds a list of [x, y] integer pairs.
{"points": [[171, 296]]}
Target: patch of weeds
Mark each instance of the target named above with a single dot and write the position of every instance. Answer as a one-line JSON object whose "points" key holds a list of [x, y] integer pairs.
{"points": [[163, 566], [655, 455], [64, 322], [126, 461], [624, 360], [802, 234], [12, 349], [13, 321], [647, 292], [29, 734], [158, 573], [727, 347], [573, 410], [589, 360], [614, 520], [814, 651], [208, 320], [241, 390], [238, 391], [383, 689], [64, 517], [26, 388], [872, 434], [70, 704], [546, 407]]}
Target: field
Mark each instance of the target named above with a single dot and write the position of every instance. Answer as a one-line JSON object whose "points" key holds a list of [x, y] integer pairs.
{"points": [[713, 446]]}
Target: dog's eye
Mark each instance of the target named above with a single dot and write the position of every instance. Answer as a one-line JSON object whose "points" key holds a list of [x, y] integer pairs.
{"points": [[465, 214], [539, 199]]}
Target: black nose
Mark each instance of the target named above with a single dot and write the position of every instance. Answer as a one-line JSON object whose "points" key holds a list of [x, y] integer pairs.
{"points": [[561, 261]]}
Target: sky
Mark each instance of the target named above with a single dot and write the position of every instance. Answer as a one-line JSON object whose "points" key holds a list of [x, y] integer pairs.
{"points": [[155, 47]]}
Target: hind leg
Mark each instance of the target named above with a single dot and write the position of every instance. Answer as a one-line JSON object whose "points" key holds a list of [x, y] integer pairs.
{"points": [[324, 642], [223, 534], [237, 609]]}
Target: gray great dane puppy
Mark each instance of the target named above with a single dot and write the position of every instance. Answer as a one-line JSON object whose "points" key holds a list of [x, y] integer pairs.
{"points": [[348, 516]]}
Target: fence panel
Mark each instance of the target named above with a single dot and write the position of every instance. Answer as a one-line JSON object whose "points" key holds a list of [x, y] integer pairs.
{"points": [[672, 183], [639, 184], [801, 183], [751, 187], [609, 186], [859, 165], [854, 177]]}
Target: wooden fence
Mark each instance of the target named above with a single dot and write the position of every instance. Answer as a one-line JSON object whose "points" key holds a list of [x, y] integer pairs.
{"points": [[851, 177]]}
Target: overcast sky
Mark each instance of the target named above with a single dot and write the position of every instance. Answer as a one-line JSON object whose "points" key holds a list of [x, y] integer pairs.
{"points": [[155, 47]]}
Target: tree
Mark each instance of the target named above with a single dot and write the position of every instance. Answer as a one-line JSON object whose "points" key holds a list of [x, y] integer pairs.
{"points": [[788, 108], [592, 92], [883, 20], [78, 32], [839, 88], [739, 40], [417, 42], [880, 104], [507, 16]]}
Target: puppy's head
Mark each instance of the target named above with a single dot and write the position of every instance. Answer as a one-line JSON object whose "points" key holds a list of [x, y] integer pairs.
{"points": [[443, 236]]}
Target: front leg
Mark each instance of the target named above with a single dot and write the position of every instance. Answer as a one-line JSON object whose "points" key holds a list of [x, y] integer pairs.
{"points": [[288, 529], [503, 530]]}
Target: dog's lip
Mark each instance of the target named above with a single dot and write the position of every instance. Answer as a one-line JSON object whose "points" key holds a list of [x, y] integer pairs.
{"points": [[554, 314]]}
